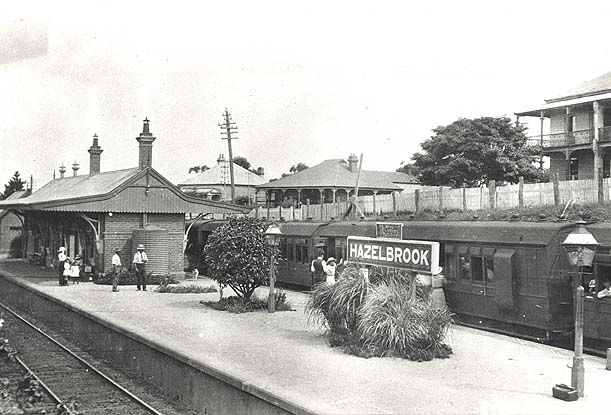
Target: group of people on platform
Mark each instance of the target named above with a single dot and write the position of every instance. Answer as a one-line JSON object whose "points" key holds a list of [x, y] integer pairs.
{"points": [[69, 269], [322, 269]]}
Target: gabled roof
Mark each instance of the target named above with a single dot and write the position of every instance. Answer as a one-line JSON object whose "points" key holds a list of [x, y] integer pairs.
{"points": [[219, 175], [98, 193], [15, 195], [79, 186], [336, 174]]}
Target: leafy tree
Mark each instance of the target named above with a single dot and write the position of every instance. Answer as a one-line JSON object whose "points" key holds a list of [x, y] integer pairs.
{"points": [[242, 200], [242, 161], [14, 184], [298, 167], [237, 255], [408, 168], [198, 169], [473, 151]]}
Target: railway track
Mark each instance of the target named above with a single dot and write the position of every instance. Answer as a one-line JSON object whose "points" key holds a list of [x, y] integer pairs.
{"points": [[66, 376]]}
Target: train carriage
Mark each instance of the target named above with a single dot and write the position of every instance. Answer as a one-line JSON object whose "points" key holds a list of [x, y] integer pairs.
{"points": [[507, 276]]}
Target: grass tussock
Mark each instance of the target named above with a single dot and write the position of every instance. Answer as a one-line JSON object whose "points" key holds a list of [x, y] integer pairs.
{"points": [[238, 305], [186, 289], [387, 315]]}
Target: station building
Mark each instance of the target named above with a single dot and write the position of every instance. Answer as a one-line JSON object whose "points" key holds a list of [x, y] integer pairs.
{"points": [[575, 130], [10, 229], [92, 215], [215, 183], [334, 181]]}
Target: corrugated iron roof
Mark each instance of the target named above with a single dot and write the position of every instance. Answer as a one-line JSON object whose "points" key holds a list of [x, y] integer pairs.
{"points": [[598, 85], [216, 176], [336, 174], [111, 192], [75, 187]]}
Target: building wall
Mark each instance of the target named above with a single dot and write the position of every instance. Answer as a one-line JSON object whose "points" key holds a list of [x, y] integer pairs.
{"points": [[8, 233], [583, 121], [558, 163], [585, 159], [118, 234]]}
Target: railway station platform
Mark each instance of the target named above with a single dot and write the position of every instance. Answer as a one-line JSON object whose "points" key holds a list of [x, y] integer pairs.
{"points": [[284, 357]]}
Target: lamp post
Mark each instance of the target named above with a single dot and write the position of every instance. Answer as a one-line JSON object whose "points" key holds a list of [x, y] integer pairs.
{"points": [[580, 246], [272, 236]]}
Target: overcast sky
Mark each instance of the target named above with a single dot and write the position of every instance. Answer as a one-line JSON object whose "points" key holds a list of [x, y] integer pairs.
{"points": [[305, 81]]}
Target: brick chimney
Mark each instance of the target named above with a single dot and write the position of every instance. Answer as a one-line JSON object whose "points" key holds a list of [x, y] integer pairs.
{"points": [[75, 167], [221, 159], [95, 156], [62, 171], [353, 163], [145, 139]]}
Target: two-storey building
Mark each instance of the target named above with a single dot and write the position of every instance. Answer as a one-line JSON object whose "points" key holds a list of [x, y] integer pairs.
{"points": [[576, 130]]}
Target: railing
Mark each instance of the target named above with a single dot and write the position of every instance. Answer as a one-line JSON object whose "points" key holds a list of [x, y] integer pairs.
{"points": [[565, 139]]}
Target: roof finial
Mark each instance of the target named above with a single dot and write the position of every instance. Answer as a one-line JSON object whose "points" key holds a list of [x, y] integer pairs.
{"points": [[145, 127]]}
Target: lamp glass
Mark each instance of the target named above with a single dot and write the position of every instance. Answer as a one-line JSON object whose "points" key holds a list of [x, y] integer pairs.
{"points": [[272, 235], [580, 246]]}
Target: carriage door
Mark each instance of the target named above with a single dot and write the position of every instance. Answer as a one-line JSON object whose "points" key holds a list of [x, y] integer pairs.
{"points": [[597, 311]]}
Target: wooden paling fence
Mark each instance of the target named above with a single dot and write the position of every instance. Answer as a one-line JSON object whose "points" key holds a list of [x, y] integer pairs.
{"points": [[437, 199]]}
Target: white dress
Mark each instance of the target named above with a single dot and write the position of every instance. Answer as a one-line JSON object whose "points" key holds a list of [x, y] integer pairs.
{"points": [[330, 272]]}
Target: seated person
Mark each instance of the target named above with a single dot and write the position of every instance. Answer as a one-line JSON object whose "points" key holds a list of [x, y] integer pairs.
{"points": [[606, 292], [592, 286]]}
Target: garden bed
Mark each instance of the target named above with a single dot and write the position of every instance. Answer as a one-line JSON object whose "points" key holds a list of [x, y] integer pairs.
{"points": [[238, 305]]}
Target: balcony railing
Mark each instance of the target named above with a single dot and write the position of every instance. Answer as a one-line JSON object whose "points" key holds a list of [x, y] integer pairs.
{"points": [[565, 139]]}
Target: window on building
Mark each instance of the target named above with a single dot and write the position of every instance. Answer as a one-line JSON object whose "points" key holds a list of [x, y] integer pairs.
{"points": [[574, 168], [465, 267]]}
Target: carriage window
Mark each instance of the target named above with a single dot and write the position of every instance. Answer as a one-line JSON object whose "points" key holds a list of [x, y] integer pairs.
{"points": [[290, 257], [489, 270], [449, 271], [304, 253], [298, 257], [283, 249], [465, 267], [477, 268]]}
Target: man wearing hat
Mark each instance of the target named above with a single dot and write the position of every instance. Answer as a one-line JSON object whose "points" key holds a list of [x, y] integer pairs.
{"points": [[61, 258], [116, 269], [140, 260]]}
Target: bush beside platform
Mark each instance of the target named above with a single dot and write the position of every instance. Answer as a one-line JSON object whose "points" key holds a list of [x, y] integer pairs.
{"points": [[386, 315]]}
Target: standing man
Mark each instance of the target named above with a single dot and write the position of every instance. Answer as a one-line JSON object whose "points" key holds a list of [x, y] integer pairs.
{"points": [[318, 267], [61, 258], [140, 260], [116, 269]]}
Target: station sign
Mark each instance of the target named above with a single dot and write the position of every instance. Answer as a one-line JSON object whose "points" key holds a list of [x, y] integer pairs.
{"points": [[418, 256], [389, 230]]}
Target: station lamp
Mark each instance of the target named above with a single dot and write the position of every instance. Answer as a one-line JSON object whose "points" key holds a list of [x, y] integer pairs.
{"points": [[580, 246], [272, 237]]}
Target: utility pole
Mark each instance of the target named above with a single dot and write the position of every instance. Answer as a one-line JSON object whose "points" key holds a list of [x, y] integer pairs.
{"points": [[228, 128]]}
